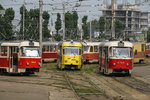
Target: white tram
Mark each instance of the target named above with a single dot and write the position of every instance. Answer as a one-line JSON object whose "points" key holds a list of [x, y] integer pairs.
{"points": [[91, 53], [19, 57], [116, 57]]}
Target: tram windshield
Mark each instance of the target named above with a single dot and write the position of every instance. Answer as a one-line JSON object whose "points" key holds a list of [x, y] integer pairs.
{"points": [[121, 52], [31, 52], [72, 51]]}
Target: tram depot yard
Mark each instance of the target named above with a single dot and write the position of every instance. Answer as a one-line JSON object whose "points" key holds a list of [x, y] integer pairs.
{"points": [[86, 84]]}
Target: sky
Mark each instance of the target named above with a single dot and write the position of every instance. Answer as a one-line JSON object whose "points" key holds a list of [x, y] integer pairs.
{"points": [[91, 8]]}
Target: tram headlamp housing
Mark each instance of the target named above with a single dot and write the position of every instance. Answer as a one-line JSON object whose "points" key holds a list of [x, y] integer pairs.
{"points": [[27, 64], [127, 64], [114, 64], [65, 60], [77, 61]]}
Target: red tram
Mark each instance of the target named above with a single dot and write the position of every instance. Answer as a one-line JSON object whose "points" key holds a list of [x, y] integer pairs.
{"points": [[91, 53], [19, 57], [49, 51], [116, 57], [147, 49]]}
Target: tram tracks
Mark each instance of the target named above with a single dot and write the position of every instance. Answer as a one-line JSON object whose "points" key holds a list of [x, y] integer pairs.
{"points": [[89, 89], [135, 83]]}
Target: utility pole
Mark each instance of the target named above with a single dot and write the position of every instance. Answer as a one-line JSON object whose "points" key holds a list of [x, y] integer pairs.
{"points": [[23, 20], [40, 29], [64, 21], [112, 24], [90, 32]]}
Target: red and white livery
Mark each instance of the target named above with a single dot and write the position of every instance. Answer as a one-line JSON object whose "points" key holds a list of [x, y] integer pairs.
{"points": [[116, 57], [91, 52], [20, 57], [49, 51]]}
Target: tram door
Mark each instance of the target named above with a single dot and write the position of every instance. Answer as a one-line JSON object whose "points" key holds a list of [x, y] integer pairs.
{"points": [[13, 59], [106, 59]]}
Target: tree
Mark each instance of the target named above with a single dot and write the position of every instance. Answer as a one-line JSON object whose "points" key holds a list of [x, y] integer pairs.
{"points": [[85, 28], [57, 36], [58, 23], [6, 27], [31, 24], [118, 28], [46, 31], [102, 23], [71, 21]]}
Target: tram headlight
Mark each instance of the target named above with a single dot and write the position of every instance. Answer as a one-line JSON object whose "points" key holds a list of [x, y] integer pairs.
{"points": [[27, 63], [127, 64], [77, 61], [65, 60], [114, 64], [39, 64]]}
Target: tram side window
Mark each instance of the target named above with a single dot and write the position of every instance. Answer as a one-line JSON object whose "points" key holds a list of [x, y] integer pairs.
{"points": [[47, 48], [51, 48], [3, 51], [142, 47], [110, 51], [22, 52], [43, 49], [95, 48], [54, 49], [135, 52], [15, 49], [91, 49]]}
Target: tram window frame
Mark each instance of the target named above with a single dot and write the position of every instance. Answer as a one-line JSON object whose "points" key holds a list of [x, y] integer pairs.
{"points": [[43, 49], [135, 53], [95, 48], [91, 48], [51, 48], [142, 48], [22, 52], [110, 52], [4, 50], [54, 49]]}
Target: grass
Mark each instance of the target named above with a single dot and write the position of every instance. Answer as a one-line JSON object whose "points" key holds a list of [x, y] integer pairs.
{"points": [[88, 70], [146, 63], [86, 90]]}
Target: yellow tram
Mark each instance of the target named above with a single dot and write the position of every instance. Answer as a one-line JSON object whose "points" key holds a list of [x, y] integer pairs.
{"points": [[69, 55], [139, 52]]}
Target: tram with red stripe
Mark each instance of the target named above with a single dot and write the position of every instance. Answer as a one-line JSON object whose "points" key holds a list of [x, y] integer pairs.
{"points": [[19, 57], [116, 57], [49, 52], [91, 53], [147, 49]]}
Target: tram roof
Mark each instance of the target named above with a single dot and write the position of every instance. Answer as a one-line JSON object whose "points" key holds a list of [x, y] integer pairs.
{"points": [[49, 43], [17, 43], [115, 43], [91, 43], [65, 42]]}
